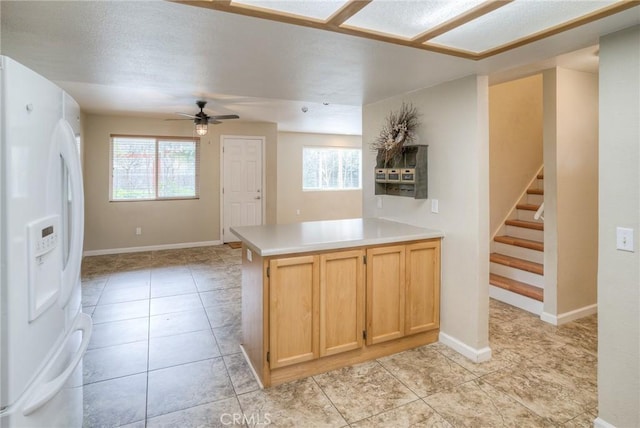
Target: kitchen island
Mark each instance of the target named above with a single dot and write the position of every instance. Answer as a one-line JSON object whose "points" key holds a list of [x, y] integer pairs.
{"points": [[321, 295]]}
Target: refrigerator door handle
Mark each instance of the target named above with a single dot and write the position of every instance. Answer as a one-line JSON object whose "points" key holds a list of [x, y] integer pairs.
{"points": [[69, 153], [48, 390]]}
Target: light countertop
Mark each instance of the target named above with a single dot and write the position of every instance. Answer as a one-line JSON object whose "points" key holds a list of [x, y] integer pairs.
{"points": [[278, 239]]}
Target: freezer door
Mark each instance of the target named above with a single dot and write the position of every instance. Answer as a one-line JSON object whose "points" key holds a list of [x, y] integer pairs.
{"points": [[73, 207], [55, 398], [71, 111], [72, 115], [31, 110]]}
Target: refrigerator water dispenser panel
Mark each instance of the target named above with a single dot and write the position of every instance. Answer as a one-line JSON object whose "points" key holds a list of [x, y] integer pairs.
{"points": [[44, 264]]}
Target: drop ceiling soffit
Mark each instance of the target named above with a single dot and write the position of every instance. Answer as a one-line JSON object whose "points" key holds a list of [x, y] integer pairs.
{"points": [[470, 29]]}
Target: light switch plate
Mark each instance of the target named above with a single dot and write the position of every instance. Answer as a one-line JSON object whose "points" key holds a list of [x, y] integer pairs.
{"points": [[249, 255], [624, 239], [434, 206]]}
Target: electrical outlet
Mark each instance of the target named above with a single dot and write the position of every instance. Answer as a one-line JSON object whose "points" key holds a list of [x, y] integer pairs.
{"points": [[379, 202], [138, 230], [624, 239], [298, 212]]}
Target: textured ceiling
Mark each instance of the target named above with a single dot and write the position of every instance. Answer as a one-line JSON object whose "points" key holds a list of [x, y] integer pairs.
{"points": [[155, 58]]}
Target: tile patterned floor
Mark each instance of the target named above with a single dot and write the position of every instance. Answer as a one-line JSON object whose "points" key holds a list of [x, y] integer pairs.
{"points": [[165, 353]]}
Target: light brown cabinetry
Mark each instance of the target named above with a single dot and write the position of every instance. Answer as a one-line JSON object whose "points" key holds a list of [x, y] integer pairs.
{"points": [[403, 291], [341, 301], [422, 309], [293, 310], [385, 293], [309, 313], [316, 306]]}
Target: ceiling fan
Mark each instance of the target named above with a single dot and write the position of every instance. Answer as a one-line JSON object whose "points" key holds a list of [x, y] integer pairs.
{"points": [[201, 119]]}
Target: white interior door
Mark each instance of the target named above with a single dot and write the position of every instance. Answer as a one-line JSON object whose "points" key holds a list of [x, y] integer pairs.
{"points": [[242, 190]]}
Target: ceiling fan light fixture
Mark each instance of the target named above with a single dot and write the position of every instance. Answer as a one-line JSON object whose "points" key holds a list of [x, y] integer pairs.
{"points": [[201, 128], [201, 120]]}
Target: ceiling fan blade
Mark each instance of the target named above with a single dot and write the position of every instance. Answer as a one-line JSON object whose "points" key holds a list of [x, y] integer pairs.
{"points": [[181, 119], [186, 115], [224, 116], [214, 122]]}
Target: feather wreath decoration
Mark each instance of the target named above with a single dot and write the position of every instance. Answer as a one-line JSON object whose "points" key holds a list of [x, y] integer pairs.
{"points": [[399, 130]]}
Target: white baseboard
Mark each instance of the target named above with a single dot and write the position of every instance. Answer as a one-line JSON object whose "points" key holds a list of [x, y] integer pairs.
{"points": [[475, 355], [525, 303], [601, 423], [151, 248], [248, 360], [569, 316]]}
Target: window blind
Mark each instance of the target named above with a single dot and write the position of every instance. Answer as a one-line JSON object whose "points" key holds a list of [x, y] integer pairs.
{"points": [[149, 168]]}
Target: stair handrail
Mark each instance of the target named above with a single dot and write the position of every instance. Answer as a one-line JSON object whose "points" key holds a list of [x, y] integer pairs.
{"points": [[539, 215]]}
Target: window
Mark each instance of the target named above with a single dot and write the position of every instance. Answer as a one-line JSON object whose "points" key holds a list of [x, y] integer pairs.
{"points": [[331, 168], [150, 168]]}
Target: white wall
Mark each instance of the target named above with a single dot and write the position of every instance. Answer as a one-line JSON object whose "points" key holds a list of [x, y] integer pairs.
{"points": [[577, 187], [515, 134], [455, 126], [571, 193], [323, 205], [550, 85], [111, 226], [619, 272]]}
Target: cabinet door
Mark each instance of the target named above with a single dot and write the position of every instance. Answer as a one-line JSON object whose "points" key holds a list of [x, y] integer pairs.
{"points": [[423, 287], [385, 293], [293, 310], [341, 301]]}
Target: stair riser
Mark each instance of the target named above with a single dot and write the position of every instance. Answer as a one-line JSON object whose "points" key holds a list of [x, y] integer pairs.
{"points": [[517, 274], [513, 299], [540, 183], [527, 215], [535, 199], [524, 233], [519, 252]]}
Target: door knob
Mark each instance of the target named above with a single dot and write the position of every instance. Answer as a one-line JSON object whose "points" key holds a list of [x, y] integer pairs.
{"points": [[257, 197]]}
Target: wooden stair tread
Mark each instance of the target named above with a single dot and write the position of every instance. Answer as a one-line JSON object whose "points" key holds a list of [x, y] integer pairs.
{"points": [[525, 224], [517, 287], [517, 263], [528, 207], [540, 176], [535, 191], [519, 242]]}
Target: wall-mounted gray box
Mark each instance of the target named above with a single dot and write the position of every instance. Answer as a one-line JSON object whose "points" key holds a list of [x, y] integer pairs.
{"points": [[406, 173]]}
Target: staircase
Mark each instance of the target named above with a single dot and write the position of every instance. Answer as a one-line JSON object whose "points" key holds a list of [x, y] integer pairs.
{"points": [[517, 253]]}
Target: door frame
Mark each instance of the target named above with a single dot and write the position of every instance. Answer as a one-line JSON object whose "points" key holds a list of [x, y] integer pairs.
{"points": [[263, 179]]}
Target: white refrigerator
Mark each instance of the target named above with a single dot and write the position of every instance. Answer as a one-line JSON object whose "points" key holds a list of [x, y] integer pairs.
{"points": [[43, 333]]}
